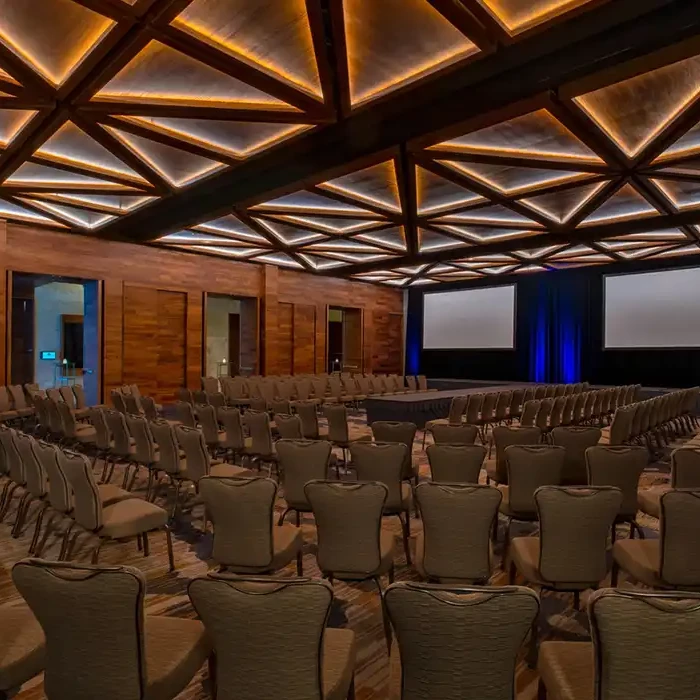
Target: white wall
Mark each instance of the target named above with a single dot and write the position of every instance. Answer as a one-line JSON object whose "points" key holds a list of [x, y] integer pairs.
{"points": [[218, 309], [51, 301]]}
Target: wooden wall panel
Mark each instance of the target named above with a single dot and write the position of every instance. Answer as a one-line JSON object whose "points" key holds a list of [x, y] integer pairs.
{"points": [[353, 356], [171, 349], [304, 340], [133, 274], [387, 342], [140, 338], [250, 336], [285, 339]]}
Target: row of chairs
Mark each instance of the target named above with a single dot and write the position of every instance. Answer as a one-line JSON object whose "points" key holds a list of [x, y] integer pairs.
{"points": [[455, 641], [658, 420], [15, 403]]}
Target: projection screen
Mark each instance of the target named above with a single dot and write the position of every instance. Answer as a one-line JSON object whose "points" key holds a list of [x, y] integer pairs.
{"points": [[470, 319], [653, 309]]}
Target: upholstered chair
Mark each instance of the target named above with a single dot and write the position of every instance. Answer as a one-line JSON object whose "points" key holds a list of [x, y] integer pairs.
{"points": [[456, 464], [575, 440], [455, 434], [503, 437], [685, 474]]}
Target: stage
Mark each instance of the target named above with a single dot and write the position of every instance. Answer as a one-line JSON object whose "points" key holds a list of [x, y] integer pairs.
{"points": [[422, 406]]}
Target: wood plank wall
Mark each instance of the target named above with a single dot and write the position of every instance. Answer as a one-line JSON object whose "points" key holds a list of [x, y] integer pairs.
{"points": [[174, 284]]}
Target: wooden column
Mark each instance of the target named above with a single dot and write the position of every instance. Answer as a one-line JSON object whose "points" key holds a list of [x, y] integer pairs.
{"points": [[112, 335], [4, 349], [195, 339], [321, 338], [270, 319]]}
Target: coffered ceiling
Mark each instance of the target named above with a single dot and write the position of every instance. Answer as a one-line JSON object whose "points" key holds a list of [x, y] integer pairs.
{"points": [[127, 118]]}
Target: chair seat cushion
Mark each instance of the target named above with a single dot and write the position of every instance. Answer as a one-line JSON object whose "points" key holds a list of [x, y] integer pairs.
{"points": [[229, 470], [22, 651], [567, 670], [508, 511], [338, 663], [176, 648], [640, 559], [131, 517], [649, 500], [8, 415], [24, 412], [110, 493], [387, 545], [287, 541], [85, 433]]}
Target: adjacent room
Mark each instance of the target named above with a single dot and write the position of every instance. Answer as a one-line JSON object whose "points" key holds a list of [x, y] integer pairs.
{"points": [[349, 349]]}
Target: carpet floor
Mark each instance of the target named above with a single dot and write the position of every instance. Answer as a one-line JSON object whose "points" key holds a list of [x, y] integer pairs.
{"points": [[356, 606]]}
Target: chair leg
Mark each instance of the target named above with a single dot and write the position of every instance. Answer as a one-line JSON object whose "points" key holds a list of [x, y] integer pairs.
{"points": [[506, 544], [406, 535], [385, 616], [96, 551], [391, 574], [21, 514], [146, 548], [577, 600], [351, 689], [8, 499], [212, 675], [169, 542], [512, 572], [283, 516], [614, 574], [37, 528], [300, 563], [541, 690], [297, 518], [104, 471]]}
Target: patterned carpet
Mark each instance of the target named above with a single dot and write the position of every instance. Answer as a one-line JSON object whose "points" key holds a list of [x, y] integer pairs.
{"points": [[356, 606]]}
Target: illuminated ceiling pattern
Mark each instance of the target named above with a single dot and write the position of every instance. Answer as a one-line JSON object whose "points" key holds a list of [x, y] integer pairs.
{"points": [[108, 106]]}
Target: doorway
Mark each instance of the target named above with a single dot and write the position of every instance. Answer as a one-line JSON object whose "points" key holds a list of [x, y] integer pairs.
{"points": [[231, 335], [345, 339]]}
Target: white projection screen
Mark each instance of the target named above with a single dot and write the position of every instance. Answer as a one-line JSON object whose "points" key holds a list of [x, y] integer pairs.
{"points": [[653, 309], [470, 319]]}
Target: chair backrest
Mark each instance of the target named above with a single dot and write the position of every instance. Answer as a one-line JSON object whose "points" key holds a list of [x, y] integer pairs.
{"points": [[92, 617], [411, 383], [574, 528], [540, 391], [195, 448], [87, 507], [55, 421], [303, 389], [13, 467], [348, 523], [210, 384], [382, 462], [184, 394], [422, 382], [118, 401], [529, 413], [116, 422], [456, 464], [488, 407], [337, 416], [557, 415], [306, 410], [80, 398], [395, 431], [301, 461], [543, 413], [103, 438], [621, 426], [454, 434], [516, 402], [245, 618], [320, 386], [209, 424], [184, 412], [623, 622], [241, 510], [502, 405], [68, 423], [457, 524], [618, 466], [233, 427], [288, 426], [200, 397], [281, 406], [33, 470], [149, 407], [68, 395], [169, 452], [5, 403], [529, 467], [216, 399], [133, 404], [457, 406], [473, 408], [685, 468], [504, 436], [144, 443], [19, 401], [680, 538], [60, 494], [474, 634], [575, 440], [258, 424]]}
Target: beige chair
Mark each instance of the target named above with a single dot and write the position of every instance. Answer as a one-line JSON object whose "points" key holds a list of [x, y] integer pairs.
{"points": [[247, 618], [455, 434], [23, 648], [301, 461], [672, 560], [12, 468], [570, 553], [73, 432], [170, 460], [454, 416], [214, 437], [352, 545], [455, 544], [621, 662], [338, 430], [6, 411], [99, 642], [19, 402], [474, 635], [575, 440], [121, 448], [245, 540], [234, 444], [308, 415], [404, 433], [184, 413], [145, 453], [685, 474], [529, 467], [503, 437], [288, 426], [621, 466], [529, 413], [122, 520], [262, 449], [36, 486], [456, 464]]}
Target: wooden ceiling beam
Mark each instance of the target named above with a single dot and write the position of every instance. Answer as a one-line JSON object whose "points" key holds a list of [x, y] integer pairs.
{"points": [[460, 17], [406, 178], [34, 84], [339, 48], [114, 9], [396, 217], [320, 36], [595, 201], [491, 25], [41, 212]]}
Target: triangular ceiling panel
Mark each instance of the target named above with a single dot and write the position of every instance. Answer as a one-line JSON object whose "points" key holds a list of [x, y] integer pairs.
{"points": [[273, 36], [626, 203], [161, 74], [52, 36], [289, 235], [436, 194], [279, 259], [309, 202], [12, 121], [430, 240], [231, 226], [561, 206], [632, 112], [10, 210], [116, 204], [72, 145], [495, 214], [519, 15], [202, 238], [537, 134], [480, 234], [394, 42], [686, 145], [45, 176], [391, 238], [180, 168], [376, 185], [329, 224], [535, 253], [683, 195], [509, 179], [319, 263], [239, 139], [75, 217], [228, 251], [683, 250]]}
